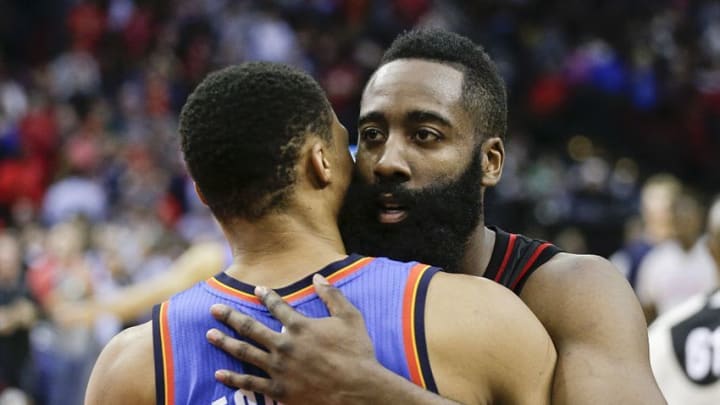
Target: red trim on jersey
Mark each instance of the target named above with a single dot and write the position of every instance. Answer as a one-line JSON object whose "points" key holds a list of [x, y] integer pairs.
{"points": [[168, 365], [528, 265], [408, 321], [506, 258]]}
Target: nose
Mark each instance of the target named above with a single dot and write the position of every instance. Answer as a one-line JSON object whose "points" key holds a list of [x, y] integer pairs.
{"points": [[392, 165]]}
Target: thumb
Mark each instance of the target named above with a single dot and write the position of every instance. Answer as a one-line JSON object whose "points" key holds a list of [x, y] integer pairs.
{"points": [[333, 298]]}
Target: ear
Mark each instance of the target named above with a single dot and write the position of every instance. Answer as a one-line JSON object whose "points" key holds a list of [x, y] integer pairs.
{"points": [[319, 163], [200, 194], [493, 159]]}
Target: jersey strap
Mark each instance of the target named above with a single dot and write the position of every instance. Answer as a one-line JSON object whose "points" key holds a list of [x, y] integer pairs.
{"points": [[515, 257], [413, 319], [163, 354]]}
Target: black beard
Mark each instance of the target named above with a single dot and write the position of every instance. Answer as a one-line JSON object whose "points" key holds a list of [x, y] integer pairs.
{"points": [[440, 219]]}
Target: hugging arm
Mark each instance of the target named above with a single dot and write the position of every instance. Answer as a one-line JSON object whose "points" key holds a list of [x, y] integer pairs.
{"points": [[598, 329]]}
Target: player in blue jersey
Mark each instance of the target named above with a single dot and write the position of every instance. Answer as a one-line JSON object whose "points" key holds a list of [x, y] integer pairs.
{"points": [[271, 160], [431, 140]]}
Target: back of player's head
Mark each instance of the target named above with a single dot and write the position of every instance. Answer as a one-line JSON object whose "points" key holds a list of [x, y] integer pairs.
{"points": [[241, 131], [483, 87]]}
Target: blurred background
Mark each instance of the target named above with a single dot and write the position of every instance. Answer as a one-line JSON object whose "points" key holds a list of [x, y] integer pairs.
{"points": [[614, 115]]}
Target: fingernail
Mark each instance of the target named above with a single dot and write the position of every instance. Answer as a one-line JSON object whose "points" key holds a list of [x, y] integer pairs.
{"points": [[213, 335], [261, 291], [221, 375], [319, 279]]}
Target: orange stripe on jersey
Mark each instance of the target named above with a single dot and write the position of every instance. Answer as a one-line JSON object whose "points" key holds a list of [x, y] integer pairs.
{"points": [[408, 319], [168, 366], [297, 295], [214, 283]]}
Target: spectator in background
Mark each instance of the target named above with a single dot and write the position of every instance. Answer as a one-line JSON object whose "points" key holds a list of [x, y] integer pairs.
{"points": [[684, 342], [80, 192], [63, 357], [17, 315], [679, 268], [655, 224]]}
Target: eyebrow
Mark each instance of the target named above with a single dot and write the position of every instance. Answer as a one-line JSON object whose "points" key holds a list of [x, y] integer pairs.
{"points": [[416, 116], [372, 116]]}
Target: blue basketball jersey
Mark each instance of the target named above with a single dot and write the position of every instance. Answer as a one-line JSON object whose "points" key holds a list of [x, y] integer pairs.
{"points": [[389, 294]]}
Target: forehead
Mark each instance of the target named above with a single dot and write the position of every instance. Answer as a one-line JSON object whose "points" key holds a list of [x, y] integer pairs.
{"points": [[413, 83]]}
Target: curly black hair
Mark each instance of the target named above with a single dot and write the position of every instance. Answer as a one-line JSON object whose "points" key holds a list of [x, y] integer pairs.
{"points": [[241, 130], [483, 88]]}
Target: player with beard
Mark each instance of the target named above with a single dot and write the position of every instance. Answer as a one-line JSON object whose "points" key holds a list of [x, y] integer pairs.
{"points": [[271, 160], [431, 130]]}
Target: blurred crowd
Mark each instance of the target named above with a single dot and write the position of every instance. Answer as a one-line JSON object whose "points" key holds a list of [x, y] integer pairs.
{"points": [[94, 195]]}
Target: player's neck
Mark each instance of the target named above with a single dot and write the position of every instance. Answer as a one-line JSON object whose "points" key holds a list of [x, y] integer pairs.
{"points": [[478, 251], [280, 249]]}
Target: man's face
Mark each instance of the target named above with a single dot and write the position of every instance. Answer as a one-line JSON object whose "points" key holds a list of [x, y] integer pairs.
{"points": [[417, 190]]}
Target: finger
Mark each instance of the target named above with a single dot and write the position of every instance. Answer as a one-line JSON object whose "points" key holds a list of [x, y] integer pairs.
{"points": [[245, 326], [237, 348], [333, 298], [250, 383], [279, 308]]}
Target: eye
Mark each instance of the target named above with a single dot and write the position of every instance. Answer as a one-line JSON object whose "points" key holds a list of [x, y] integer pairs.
{"points": [[425, 136], [371, 135]]}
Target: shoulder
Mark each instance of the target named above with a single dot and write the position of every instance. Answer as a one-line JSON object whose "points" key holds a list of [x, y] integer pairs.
{"points": [[579, 286], [124, 372], [576, 272], [459, 293], [464, 317], [598, 329]]}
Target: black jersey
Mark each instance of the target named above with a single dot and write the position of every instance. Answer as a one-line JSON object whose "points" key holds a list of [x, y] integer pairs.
{"points": [[515, 257]]}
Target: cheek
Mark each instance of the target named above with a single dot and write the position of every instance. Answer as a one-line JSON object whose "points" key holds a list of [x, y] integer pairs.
{"points": [[440, 165], [364, 167]]}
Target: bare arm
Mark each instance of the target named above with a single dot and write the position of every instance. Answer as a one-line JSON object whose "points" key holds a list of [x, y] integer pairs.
{"points": [[485, 344], [124, 372], [598, 329], [198, 263], [20, 314]]}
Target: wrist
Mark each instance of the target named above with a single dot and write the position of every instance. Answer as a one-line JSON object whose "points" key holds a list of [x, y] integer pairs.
{"points": [[365, 385], [374, 384]]}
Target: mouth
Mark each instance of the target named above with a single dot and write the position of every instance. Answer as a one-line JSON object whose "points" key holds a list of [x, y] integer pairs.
{"points": [[390, 211]]}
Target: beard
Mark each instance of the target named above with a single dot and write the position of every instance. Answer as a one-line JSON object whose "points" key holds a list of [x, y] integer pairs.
{"points": [[440, 219]]}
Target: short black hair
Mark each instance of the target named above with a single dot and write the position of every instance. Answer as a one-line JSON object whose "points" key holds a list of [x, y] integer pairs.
{"points": [[483, 88], [241, 130]]}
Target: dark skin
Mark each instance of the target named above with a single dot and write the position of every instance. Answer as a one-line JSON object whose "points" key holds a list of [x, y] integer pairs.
{"points": [[413, 125]]}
